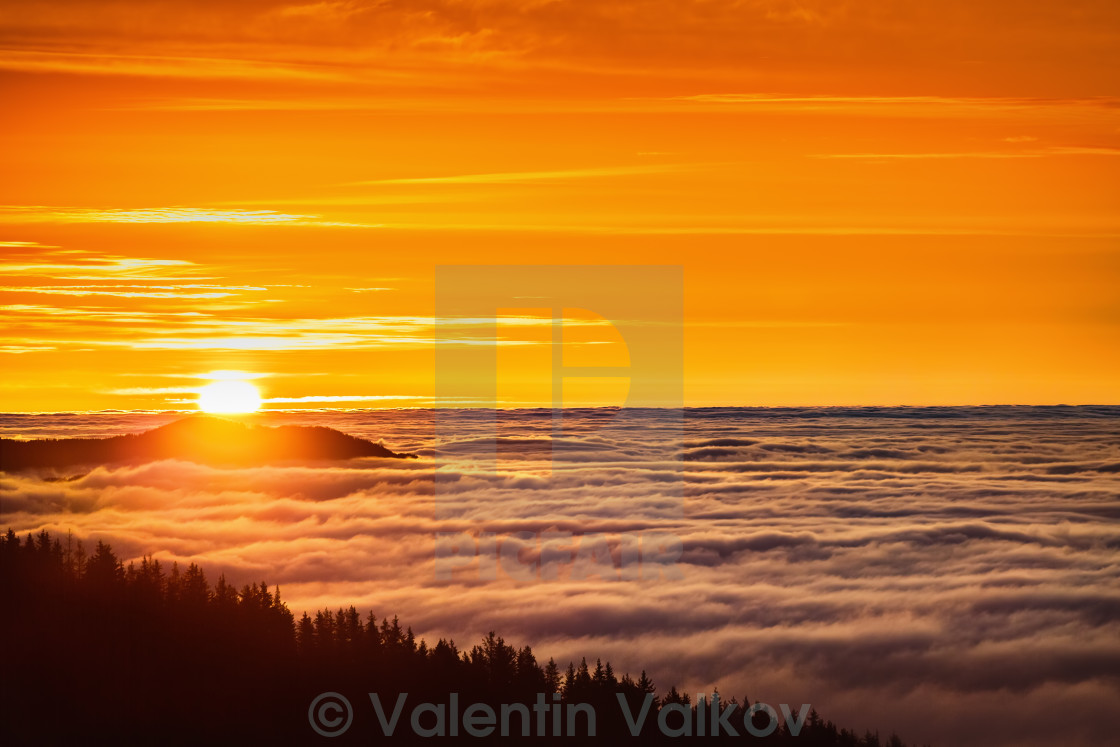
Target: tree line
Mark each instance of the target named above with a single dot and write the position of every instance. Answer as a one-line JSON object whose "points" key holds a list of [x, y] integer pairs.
{"points": [[145, 654]]}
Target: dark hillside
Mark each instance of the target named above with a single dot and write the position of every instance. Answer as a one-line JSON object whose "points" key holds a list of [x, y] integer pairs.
{"points": [[202, 439]]}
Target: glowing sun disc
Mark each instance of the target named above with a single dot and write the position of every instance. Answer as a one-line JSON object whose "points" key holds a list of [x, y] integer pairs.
{"points": [[229, 397]]}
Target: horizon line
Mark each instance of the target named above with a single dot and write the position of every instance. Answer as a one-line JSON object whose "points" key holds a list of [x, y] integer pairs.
{"points": [[263, 411]]}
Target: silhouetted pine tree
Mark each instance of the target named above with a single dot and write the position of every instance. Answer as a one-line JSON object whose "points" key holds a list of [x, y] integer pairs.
{"points": [[95, 650]]}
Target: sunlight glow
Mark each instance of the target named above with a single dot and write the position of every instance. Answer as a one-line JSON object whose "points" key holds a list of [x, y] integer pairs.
{"points": [[226, 375], [229, 397]]}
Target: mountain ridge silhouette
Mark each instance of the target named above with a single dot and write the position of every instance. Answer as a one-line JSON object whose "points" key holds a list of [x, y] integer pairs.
{"points": [[202, 439]]}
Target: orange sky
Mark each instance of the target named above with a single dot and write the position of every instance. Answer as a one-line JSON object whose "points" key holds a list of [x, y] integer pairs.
{"points": [[873, 203]]}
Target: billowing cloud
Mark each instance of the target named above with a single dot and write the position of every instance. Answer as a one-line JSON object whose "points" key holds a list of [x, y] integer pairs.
{"points": [[947, 573]]}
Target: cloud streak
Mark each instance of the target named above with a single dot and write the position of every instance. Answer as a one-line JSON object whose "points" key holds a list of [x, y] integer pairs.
{"points": [[202, 330], [78, 265], [1056, 151], [49, 214], [521, 177]]}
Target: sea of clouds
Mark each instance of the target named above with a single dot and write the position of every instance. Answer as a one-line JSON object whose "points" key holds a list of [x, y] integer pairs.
{"points": [[949, 573]]}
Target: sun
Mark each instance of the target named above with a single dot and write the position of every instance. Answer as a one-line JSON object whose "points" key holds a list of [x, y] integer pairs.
{"points": [[229, 397]]}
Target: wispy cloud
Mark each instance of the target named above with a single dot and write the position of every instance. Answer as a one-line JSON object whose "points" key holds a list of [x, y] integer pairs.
{"points": [[25, 245], [135, 291], [785, 227], [78, 265], [88, 313], [301, 341], [49, 214], [335, 10], [143, 330], [517, 177], [143, 391], [187, 65], [232, 375], [926, 156], [16, 349], [1083, 151], [827, 102], [1054, 151], [775, 98]]}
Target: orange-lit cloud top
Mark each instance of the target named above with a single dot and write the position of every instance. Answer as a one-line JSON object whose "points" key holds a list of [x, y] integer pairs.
{"points": [[880, 202], [879, 563]]}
